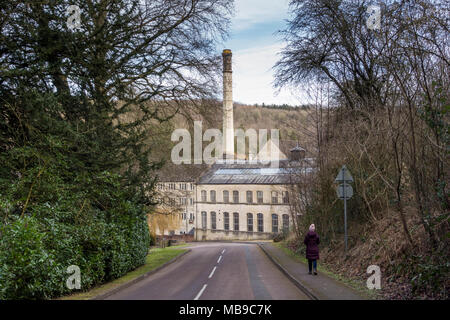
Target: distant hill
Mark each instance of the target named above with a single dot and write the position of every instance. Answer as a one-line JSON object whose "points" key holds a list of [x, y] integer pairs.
{"points": [[295, 125], [286, 119]]}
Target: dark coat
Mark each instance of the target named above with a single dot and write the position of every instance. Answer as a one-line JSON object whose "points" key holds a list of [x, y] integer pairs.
{"points": [[311, 241]]}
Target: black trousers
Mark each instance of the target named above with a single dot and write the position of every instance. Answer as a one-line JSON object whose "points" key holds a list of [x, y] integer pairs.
{"points": [[311, 263]]}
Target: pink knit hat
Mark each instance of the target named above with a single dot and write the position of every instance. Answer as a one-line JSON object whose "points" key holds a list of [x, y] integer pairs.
{"points": [[312, 227]]}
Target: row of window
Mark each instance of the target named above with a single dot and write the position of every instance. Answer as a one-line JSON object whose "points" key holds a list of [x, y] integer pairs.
{"points": [[184, 216], [259, 221], [181, 201], [249, 196], [173, 186]]}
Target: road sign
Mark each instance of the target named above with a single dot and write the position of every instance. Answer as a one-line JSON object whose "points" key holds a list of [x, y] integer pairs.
{"points": [[348, 191], [344, 192], [344, 175]]}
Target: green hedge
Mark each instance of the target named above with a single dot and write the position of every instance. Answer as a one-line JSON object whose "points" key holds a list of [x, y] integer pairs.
{"points": [[36, 254]]}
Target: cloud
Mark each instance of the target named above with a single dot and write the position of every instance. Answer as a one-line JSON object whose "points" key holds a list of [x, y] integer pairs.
{"points": [[255, 47], [253, 77], [251, 12]]}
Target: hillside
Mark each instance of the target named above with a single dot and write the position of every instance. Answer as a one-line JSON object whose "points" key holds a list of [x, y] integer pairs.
{"points": [[287, 120]]}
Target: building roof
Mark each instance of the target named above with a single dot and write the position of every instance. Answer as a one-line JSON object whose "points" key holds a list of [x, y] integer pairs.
{"points": [[297, 148], [240, 171], [246, 172]]}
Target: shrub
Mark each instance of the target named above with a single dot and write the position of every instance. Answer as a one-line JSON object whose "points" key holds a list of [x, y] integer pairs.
{"points": [[27, 268], [279, 237], [33, 263]]}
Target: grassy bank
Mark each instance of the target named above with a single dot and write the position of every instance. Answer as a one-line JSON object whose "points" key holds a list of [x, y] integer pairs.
{"points": [[155, 258], [355, 284]]}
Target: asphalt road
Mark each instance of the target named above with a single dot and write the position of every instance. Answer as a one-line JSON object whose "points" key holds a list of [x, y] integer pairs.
{"points": [[216, 271]]}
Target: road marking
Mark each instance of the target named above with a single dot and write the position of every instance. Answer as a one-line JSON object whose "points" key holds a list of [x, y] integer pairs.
{"points": [[212, 272], [223, 251], [201, 292], [220, 258]]}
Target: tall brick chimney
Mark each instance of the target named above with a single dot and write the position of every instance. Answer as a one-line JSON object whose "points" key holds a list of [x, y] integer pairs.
{"points": [[228, 127]]}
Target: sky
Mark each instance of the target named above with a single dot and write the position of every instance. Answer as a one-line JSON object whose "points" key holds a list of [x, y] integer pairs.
{"points": [[255, 47]]}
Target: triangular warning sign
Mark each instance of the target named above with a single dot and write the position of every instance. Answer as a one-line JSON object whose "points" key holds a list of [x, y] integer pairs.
{"points": [[344, 175]]}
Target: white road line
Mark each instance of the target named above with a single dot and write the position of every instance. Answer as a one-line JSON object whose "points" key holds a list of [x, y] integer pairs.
{"points": [[223, 250], [212, 272], [220, 258], [201, 292]]}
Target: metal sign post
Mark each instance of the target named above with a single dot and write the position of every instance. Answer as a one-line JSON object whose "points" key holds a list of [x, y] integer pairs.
{"points": [[344, 192], [345, 214]]}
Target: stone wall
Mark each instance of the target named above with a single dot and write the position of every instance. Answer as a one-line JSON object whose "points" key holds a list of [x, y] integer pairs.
{"points": [[211, 235]]}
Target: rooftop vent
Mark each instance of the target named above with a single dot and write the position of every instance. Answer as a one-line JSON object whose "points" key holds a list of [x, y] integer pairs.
{"points": [[297, 153]]}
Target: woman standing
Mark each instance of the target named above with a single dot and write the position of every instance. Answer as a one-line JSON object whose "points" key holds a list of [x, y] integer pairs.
{"points": [[312, 250]]}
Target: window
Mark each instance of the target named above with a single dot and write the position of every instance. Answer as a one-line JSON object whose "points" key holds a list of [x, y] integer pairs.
{"points": [[260, 219], [249, 197], [212, 196], [226, 196], [236, 196], [226, 221], [203, 219], [285, 197], [250, 222], [274, 197], [191, 201], [213, 220], [203, 195], [184, 215], [191, 216], [285, 223], [192, 186], [259, 196], [274, 223], [236, 221]]}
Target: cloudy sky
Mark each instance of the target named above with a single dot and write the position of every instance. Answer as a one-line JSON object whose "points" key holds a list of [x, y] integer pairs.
{"points": [[255, 45]]}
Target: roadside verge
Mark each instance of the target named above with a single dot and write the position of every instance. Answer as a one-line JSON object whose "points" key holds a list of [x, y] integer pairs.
{"points": [[297, 283], [156, 260], [316, 287]]}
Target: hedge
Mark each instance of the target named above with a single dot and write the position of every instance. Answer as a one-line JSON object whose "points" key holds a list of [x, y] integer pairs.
{"points": [[35, 254]]}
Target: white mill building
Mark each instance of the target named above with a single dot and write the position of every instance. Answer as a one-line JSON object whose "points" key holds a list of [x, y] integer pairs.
{"points": [[237, 199]]}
